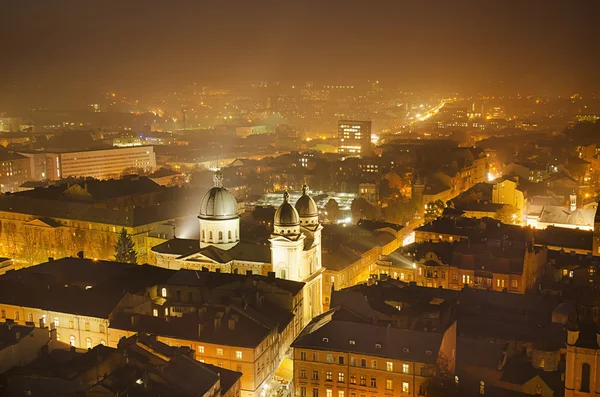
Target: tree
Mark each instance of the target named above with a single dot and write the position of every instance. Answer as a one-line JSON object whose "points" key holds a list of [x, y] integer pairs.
{"points": [[507, 214], [124, 248], [333, 210], [440, 380], [387, 192], [433, 210], [362, 209]]}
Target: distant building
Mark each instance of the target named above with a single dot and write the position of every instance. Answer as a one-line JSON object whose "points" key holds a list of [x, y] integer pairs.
{"points": [[354, 137], [14, 171]]}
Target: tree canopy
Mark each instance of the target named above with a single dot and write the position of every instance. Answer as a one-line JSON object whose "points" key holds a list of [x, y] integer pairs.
{"points": [[125, 248]]}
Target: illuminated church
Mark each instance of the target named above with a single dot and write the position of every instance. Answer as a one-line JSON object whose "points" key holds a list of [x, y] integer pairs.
{"points": [[294, 252]]}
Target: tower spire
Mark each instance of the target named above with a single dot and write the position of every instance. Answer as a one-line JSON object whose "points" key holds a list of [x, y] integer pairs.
{"points": [[218, 178]]}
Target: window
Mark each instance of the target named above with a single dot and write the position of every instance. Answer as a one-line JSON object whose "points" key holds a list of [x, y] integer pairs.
{"points": [[315, 392], [352, 379], [329, 358], [303, 356], [353, 361], [219, 351], [71, 324], [303, 373], [341, 376], [341, 360], [374, 364], [328, 376], [373, 382], [210, 236], [229, 235], [481, 387], [30, 317], [363, 380], [201, 349], [389, 384], [585, 378], [72, 340], [238, 355], [220, 364], [16, 315], [87, 326], [88, 343], [3, 313], [405, 368], [377, 346], [155, 312], [56, 321], [163, 292], [542, 363], [302, 391], [389, 366], [101, 327], [315, 357], [58, 336], [340, 393], [325, 340], [514, 283], [363, 362], [166, 311], [220, 236], [405, 387], [315, 375], [329, 393]]}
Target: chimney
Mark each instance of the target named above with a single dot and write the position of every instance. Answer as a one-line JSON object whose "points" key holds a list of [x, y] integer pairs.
{"points": [[80, 255]]}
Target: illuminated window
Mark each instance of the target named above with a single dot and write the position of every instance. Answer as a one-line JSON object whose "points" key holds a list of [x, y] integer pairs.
{"points": [[389, 366], [163, 292], [389, 384], [341, 376], [329, 376], [405, 388], [405, 368], [219, 351], [16, 315], [340, 393], [56, 321], [201, 349], [155, 312], [72, 340], [88, 343], [87, 326], [329, 393], [71, 324], [166, 311], [238, 355], [363, 380], [514, 283]]}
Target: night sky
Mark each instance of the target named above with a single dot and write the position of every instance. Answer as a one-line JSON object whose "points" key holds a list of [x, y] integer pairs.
{"points": [[546, 45]]}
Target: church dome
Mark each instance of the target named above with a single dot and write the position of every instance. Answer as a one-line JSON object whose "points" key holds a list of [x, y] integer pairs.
{"points": [[218, 202], [305, 205], [286, 215]]}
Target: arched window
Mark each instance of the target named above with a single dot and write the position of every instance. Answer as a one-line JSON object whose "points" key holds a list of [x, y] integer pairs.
{"points": [[220, 236], [163, 292], [236, 234], [229, 235], [103, 342], [17, 315], [56, 321], [203, 234], [585, 378], [30, 317], [210, 236], [72, 340], [88, 343], [282, 274]]}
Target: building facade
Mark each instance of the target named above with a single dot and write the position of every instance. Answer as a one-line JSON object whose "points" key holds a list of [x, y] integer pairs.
{"points": [[354, 137]]}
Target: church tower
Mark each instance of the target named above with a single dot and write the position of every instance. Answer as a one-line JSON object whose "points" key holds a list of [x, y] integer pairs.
{"points": [[582, 372], [311, 228], [219, 218], [596, 233], [287, 242]]}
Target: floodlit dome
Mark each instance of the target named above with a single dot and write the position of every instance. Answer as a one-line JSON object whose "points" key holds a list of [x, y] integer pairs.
{"points": [[218, 202], [286, 215], [305, 205]]}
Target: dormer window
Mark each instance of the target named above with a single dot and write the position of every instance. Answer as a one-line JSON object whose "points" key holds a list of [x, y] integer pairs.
{"points": [[352, 342], [428, 352], [163, 292], [406, 350], [326, 340], [377, 346]]}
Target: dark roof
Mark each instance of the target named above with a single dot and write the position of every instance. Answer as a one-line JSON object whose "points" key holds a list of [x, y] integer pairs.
{"points": [[163, 172], [214, 280], [241, 251], [331, 333], [178, 246], [518, 370], [340, 259], [376, 225], [78, 286]]}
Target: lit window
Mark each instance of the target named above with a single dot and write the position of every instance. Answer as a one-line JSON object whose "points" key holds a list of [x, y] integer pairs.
{"points": [[155, 312], [373, 363], [389, 366], [71, 324], [340, 393], [238, 355], [72, 340], [329, 393], [163, 292], [103, 342], [56, 321], [514, 283], [219, 351], [405, 368], [389, 384], [88, 343], [405, 388], [329, 376], [201, 349], [87, 326], [166, 311], [341, 377]]}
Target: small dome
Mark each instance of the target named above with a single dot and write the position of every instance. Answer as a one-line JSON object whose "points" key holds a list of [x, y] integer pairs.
{"points": [[305, 205], [286, 215], [218, 202]]}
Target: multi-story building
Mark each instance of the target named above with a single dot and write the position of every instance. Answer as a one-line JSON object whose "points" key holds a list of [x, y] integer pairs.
{"points": [[100, 163], [14, 170], [341, 354], [354, 137], [87, 215]]}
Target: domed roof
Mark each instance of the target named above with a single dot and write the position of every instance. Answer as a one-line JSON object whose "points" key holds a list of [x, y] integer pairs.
{"points": [[218, 202], [286, 215], [305, 205]]}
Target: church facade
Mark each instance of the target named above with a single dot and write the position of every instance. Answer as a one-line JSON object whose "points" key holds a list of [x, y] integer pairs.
{"points": [[294, 251]]}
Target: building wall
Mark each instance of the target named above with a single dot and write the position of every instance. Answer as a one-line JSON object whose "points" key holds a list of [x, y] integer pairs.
{"points": [[106, 164], [25, 350]]}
